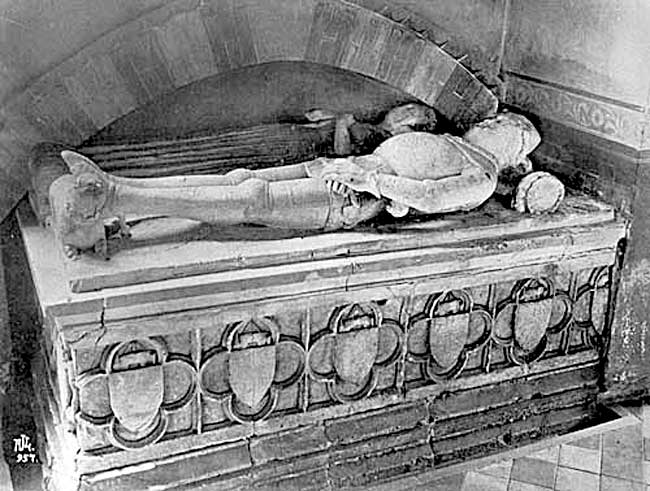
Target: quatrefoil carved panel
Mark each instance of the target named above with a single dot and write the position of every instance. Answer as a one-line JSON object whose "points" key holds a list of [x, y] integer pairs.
{"points": [[254, 361], [346, 355], [523, 321], [133, 375], [445, 332]]}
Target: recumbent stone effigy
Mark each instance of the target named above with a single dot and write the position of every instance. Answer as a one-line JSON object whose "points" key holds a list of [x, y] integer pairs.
{"points": [[411, 172]]}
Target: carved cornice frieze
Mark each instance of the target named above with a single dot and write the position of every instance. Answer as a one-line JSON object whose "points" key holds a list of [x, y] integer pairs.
{"points": [[621, 123]]}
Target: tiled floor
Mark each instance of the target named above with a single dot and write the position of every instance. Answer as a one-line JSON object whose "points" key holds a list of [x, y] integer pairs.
{"points": [[617, 460]]}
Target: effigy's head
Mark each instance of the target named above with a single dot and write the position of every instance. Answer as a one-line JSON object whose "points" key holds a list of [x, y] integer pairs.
{"points": [[410, 117], [509, 137]]}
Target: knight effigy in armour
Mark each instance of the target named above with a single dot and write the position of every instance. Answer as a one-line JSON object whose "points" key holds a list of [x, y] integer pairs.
{"points": [[410, 173]]}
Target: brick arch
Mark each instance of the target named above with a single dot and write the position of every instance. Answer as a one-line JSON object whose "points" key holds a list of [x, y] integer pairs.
{"points": [[189, 40]]}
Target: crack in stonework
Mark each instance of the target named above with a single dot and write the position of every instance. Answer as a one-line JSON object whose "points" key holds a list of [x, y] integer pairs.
{"points": [[99, 332], [102, 322]]}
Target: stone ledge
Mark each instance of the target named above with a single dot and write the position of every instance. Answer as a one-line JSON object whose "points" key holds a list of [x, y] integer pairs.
{"points": [[343, 431]]}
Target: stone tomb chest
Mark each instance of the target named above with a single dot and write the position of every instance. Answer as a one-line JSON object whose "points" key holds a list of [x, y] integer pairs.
{"points": [[332, 360], [242, 358]]}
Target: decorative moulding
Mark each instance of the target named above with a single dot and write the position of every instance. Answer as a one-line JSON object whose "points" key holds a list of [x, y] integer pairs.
{"points": [[616, 122]]}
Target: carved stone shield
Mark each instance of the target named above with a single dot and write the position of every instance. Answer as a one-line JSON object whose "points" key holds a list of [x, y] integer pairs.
{"points": [[251, 372], [531, 321], [136, 396], [355, 353], [447, 338]]}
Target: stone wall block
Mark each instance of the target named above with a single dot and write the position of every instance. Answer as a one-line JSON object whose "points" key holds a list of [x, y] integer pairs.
{"points": [[380, 444], [17, 131], [331, 32], [200, 465], [39, 110], [509, 413], [365, 470], [99, 89], [498, 437], [433, 65], [400, 57], [308, 472], [280, 30], [63, 109], [452, 405], [359, 427], [367, 45], [186, 47], [140, 61], [285, 445], [464, 99], [228, 28]]}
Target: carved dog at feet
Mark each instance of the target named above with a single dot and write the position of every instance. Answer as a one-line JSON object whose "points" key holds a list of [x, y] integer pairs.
{"points": [[77, 204]]}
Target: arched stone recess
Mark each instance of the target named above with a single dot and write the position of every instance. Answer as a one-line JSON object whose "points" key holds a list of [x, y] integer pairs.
{"points": [[189, 40]]}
